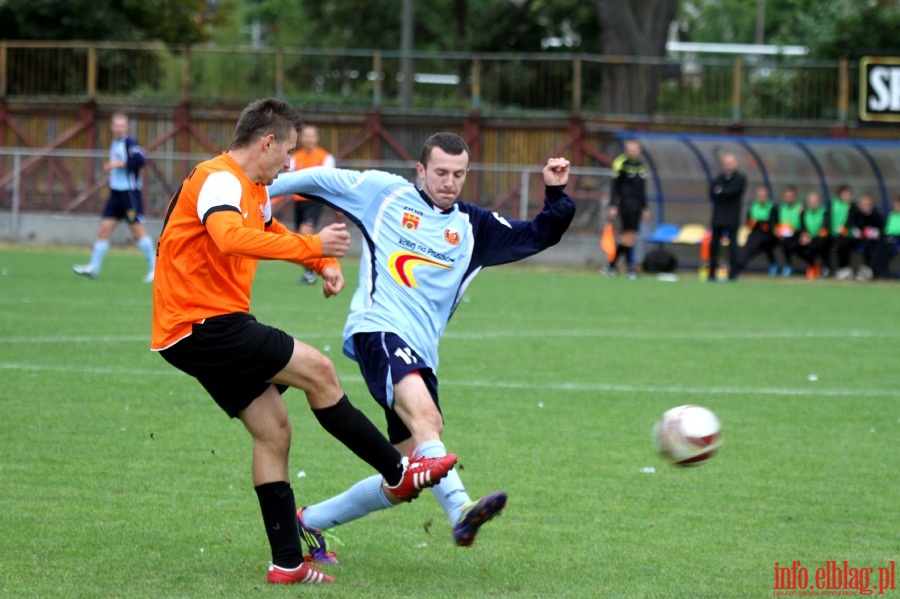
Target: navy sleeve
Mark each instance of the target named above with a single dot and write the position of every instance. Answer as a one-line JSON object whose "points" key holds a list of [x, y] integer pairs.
{"points": [[499, 240], [135, 159]]}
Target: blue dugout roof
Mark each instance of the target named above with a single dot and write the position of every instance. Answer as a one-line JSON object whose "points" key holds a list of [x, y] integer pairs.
{"points": [[681, 167]]}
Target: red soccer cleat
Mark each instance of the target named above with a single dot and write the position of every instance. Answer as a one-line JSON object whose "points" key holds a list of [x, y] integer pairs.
{"points": [[421, 473], [302, 574]]}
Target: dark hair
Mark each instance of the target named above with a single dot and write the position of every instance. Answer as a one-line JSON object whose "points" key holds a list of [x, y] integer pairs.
{"points": [[790, 187], [262, 117], [451, 143], [844, 188]]}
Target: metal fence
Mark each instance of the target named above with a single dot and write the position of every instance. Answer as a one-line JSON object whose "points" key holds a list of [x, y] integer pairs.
{"points": [[55, 181], [690, 89]]}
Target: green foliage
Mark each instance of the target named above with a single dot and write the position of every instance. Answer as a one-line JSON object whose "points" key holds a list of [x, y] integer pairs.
{"points": [[121, 478], [442, 25], [172, 21], [831, 29], [869, 29], [734, 21]]}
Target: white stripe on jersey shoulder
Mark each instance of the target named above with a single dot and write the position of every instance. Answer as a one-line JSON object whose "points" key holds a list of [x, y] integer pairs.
{"points": [[362, 177], [220, 189], [502, 220], [376, 227]]}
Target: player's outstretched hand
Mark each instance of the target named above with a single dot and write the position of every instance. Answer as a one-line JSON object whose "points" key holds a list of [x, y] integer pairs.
{"points": [[556, 171], [335, 240], [332, 281]]}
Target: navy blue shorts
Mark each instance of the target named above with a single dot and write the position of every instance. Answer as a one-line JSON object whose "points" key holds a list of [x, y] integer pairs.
{"points": [[384, 359], [125, 205], [233, 356], [306, 212]]}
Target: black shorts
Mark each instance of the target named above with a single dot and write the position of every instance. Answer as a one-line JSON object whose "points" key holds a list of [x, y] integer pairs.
{"points": [[125, 205], [233, 356], [384, 359], [631, 214], [306, 212]]}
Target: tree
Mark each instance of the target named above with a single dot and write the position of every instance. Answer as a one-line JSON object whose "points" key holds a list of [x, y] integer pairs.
{"points": [[835, 32], [638, 28], [172, 21]]}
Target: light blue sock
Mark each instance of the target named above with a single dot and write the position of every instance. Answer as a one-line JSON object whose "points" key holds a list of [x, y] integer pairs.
{"points": [[450, 492], [145, 244], [361, 499], [100, 249]]}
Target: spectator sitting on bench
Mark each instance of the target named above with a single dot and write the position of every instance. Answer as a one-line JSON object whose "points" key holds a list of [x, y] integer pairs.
{"points": [[889, 243], [762, 217]]}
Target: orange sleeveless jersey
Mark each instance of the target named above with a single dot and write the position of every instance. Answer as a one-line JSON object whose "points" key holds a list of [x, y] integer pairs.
{"points": [[214, 233], [302, 159]]}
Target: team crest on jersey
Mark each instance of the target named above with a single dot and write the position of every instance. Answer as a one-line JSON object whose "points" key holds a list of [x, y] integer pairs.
{"points": [[401, 266], [262, 211], [410, 221], [451, 236]]}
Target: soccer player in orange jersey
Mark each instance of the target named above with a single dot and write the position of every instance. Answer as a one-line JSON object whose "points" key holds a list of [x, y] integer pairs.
{"points": [[217, 227], [306, 213]]}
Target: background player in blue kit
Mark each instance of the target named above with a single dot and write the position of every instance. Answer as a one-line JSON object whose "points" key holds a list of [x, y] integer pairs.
{"points": [[126, 159], [422, 247]]}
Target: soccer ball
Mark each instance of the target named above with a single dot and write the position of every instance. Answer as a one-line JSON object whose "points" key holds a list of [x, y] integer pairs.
{"points": [[688, 435]]}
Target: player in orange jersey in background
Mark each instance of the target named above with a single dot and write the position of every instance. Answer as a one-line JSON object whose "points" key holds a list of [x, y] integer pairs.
{"points": [[306, 213]]}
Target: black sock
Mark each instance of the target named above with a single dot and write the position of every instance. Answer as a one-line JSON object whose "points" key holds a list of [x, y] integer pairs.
{"points": [[621, 250], [279, 512], [629, 257], [351, 427]]}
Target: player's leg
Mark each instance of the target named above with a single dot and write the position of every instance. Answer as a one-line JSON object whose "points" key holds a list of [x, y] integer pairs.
{"points": [[415, 403], [266, 419], [311, 371], [715, 242], [788, 248], [112, 212], [734, 255], [368, 495], [228, 364], [142, 240], [307, 215], [631, 222], [769, 245]]}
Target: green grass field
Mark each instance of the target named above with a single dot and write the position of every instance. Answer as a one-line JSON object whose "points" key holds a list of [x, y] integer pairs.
{"points": [[119, 477]]}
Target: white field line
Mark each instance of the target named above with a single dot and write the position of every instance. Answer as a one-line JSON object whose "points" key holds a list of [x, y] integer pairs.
{"points": [[516, 334], [813, 390]]}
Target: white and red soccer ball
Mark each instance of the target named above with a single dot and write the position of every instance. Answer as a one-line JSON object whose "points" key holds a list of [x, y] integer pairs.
{"points": [[688, 435]]}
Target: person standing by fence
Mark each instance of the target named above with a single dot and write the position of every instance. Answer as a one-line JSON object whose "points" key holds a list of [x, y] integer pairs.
{"points": [[629, 202], [725, 193], [126, 159]]}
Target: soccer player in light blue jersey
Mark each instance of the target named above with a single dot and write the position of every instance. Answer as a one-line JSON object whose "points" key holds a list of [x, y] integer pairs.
{"points": [[126, 159], [422, 247]]}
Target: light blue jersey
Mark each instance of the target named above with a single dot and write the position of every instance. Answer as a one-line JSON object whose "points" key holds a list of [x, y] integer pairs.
{"points": [[128, 177], [417, 259]]}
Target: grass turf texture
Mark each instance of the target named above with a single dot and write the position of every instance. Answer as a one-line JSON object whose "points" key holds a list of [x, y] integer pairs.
{"points": [[121, 478]]}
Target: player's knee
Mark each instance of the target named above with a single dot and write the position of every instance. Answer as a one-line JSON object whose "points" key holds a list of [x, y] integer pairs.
{"points": [[324, 389], [431, 422]]}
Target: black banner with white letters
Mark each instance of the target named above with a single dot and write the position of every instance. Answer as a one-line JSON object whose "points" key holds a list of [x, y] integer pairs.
{"points": [[879, 89]]}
